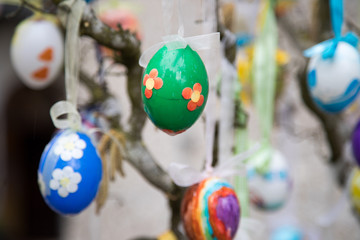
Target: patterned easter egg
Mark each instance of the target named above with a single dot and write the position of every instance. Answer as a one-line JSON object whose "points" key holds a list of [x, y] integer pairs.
{"points": [[36, 51], [69, 172], [210, 210], [175, 89], [356, 143], [269, 190], [334, 83], [355, 189]]}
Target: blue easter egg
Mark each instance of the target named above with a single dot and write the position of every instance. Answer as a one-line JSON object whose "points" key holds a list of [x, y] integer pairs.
{"points": [[287, 233], [335, 83], [70, 172]]}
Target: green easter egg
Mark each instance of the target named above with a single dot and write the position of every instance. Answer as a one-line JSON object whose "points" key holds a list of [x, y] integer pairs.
{"points": [[175, 89]]}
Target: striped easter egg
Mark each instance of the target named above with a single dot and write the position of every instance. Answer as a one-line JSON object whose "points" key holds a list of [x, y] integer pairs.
{"points": [[210, 210]]}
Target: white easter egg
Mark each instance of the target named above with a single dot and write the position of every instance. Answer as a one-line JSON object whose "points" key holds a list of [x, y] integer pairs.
{"points": [[270, 190], [37, 51], [335, 82]]}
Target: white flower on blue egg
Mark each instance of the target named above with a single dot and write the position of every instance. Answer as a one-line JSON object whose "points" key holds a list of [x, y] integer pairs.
{"points": [[65, 181], [70, 146], [41, 183]]}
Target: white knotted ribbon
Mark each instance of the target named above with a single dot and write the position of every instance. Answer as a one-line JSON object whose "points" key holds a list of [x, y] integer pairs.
{"points": [[197, 43], [185, 176]]}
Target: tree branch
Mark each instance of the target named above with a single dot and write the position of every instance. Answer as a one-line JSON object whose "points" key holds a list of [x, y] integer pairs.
{"points": [[119, 40]]}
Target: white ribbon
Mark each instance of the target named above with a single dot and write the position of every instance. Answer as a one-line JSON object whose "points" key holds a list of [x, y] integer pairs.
{"points": [[184, 175], [197, 43], [73, 119], [61, 108]]}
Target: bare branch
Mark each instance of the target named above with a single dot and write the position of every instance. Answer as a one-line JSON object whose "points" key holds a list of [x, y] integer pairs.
{"points": [[119, 40], [353, 25]]}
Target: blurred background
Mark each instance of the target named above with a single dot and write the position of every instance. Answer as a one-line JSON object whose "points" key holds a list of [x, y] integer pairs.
{"points": [[134, 207]]}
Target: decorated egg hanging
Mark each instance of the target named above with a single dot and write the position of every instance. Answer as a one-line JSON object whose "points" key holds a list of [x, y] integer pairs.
{"points": [[37, 51], [269, 190], [356, 143], [174, 89], [69, 173], [355, 189], [210, 210], [287, 232], [335, 82]]}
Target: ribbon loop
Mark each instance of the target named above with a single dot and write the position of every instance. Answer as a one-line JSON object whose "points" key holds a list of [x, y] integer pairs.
{"points": [[72, 120], [337, 12]]}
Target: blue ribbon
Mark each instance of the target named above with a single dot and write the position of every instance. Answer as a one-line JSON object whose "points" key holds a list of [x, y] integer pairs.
{"points": [[328, 48], [337, 12]]}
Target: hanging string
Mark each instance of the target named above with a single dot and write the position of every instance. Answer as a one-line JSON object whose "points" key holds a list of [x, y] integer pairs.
{"points": [[328, 48], [337, 18], [72, 50], [68, 107], [167, 12], [168, 7], [180, 19]]}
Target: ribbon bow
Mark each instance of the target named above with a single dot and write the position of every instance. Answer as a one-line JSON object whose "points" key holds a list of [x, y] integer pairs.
{"points": [[328, 48], [197, 43], [184, 175]]}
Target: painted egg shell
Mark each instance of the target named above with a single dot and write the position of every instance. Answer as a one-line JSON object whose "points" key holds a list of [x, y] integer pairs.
{"points": [[287, 233], [210, 210], [356, 143], [37, 50], [334, 83], [175, 89], [69, 173], [270, 190], [355, 189]]}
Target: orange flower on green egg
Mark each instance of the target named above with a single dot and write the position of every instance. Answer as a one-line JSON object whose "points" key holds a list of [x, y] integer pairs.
{"points": [[196, 99], [152, 81]]}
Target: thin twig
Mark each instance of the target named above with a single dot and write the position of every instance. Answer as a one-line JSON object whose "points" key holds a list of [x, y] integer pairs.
{"points": [[352, 25], [33, 7], [16, 12]]}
